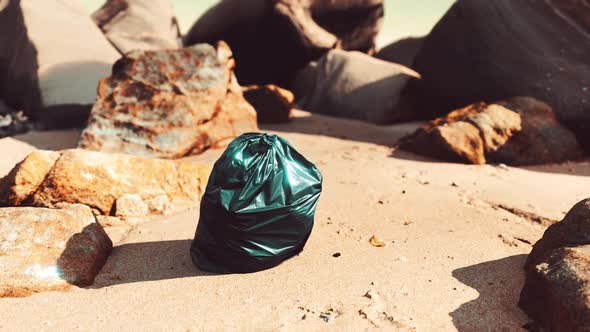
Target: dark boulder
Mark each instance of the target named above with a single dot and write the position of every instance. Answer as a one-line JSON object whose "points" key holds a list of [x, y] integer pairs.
{"points": [[493, 50], [169, 104], [272, 104], [403, 51], [271, 40], [556, 292]]}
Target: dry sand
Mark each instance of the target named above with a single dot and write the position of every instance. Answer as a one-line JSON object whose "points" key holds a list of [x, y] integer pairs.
{"points": [[453, 259]]}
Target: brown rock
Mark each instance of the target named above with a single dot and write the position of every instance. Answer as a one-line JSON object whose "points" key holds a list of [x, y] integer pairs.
{"points": [[556, 292], [99, 180], [542, 139], [49, 249], [169, 104], [272, 104], [520, 131], [465, 135]]}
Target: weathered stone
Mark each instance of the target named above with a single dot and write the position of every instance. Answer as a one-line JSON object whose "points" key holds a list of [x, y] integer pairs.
{"points": [[354, 85], [24, 179], [465, 135], [556, 292], [51, 59], [49, 249], [494, 50], [272, 40], [139, 25], [520, 131], [169, 104], [542, 139], [272, 104], [98, 180]]}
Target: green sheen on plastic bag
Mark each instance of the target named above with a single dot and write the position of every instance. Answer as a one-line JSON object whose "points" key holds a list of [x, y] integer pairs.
{"points": [[258, 208]]}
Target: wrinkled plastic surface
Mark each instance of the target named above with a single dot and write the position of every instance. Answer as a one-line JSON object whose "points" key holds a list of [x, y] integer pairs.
{"points": [[258, 208]]}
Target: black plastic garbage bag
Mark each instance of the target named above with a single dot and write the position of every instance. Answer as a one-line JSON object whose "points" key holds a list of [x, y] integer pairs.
{"points": [[258, 208]]}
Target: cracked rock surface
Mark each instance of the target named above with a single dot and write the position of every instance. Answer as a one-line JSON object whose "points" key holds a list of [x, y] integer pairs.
{"points": [[519, 131], [100, 180], [169, 104]]}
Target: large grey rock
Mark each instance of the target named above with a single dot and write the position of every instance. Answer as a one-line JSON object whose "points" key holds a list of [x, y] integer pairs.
{"points": [[493, 50], [169, 104], [271, 40], [52, 58], [354, 85], [556, 292], [49, 249], [139, 25]]}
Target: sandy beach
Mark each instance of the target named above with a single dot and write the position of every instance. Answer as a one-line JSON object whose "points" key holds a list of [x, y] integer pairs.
{"points": [[456, 239]]}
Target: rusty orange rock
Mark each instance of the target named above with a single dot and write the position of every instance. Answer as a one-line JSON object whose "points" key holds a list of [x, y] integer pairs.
{"points": [[169, 104], [272, 103], [518, 131], [465, 134], [49, 249], [99, 180]]}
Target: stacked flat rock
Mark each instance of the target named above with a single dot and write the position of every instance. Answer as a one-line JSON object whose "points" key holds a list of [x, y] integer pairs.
{"points": [[169, 104], [494, 50], [556, 292], [111, 184], [139, 25], [520, 131], [272, 40], [49, 249]]}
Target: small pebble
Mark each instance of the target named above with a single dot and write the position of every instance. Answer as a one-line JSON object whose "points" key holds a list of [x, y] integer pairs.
{"points": [[336, 255]]}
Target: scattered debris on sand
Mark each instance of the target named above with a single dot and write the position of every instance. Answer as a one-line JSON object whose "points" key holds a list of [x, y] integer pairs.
{"points": [[520, 131]]}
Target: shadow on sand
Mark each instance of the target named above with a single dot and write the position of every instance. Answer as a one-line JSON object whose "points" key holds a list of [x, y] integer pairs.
{"points": [[148, 261], [499, 283], [316, 124]]}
